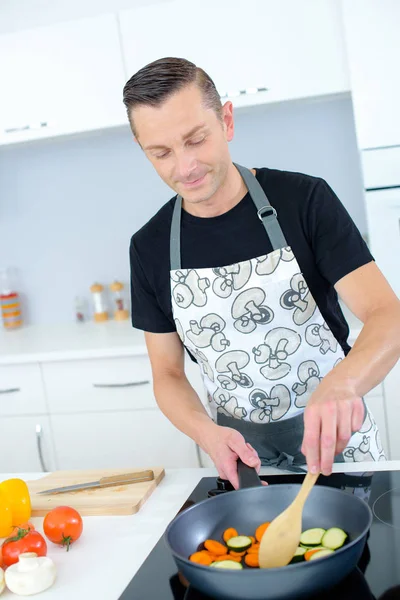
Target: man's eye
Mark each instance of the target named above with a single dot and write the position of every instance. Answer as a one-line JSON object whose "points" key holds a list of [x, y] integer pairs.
{"points": [[163, 155], [197, 141]]}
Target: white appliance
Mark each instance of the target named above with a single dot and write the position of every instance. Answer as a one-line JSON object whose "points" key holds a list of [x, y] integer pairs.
{"points": [[382, 182], [382, 189]]}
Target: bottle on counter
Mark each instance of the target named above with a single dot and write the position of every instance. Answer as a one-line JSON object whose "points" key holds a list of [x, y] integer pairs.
{"points": [[10, 302], [99, 303], [120, 311]]}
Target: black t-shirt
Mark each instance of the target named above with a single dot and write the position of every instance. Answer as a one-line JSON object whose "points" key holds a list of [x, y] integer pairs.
{"points": [[323, 237]]}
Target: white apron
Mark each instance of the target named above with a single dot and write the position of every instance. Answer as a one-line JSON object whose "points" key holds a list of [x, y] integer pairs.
{"points": [[260, 341]]}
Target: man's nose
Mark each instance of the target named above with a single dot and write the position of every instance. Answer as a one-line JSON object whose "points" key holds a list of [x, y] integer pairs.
{"points": [[185, 165]]}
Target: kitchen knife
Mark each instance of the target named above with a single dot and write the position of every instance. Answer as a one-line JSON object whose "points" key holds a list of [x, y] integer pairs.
{"points": [[123, 479]]}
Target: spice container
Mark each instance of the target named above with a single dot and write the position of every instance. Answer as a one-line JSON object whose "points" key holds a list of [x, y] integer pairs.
{"points": [[100, 308], [10, 303], [120, 312]]}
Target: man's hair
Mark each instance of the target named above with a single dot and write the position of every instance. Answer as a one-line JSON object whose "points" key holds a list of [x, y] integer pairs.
{"points": [[157, 81]]}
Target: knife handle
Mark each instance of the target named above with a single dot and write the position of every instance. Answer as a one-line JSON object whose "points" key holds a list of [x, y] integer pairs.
{"points": [[126, 478]]}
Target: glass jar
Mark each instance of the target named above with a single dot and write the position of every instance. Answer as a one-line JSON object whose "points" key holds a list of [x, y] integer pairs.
{"points": [[10, 302], [118, 299]]}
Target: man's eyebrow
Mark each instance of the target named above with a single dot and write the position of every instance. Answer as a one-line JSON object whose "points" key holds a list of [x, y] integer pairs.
{"points": [[185, 137]]}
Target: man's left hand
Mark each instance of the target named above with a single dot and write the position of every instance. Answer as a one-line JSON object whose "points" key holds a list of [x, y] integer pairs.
{"points": [[333, 413]]}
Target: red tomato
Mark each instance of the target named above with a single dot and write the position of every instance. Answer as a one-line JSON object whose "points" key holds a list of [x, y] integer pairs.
{"points": [[24, 541], [63, 525], [27, 525]]}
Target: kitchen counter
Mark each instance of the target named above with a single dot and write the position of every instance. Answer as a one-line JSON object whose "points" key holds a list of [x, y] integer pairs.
{"points": [[112, 549], [39, 343], [68, 341]]}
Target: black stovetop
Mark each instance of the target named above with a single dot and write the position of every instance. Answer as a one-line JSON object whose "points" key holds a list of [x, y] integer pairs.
{"points": [[378, 572]]}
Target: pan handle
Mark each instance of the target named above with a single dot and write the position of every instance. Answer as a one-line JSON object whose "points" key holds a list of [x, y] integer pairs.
{"points": [[247, 476]]}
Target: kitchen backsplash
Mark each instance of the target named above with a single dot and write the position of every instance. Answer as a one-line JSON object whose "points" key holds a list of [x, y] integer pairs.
{"points": [[68, 207]]}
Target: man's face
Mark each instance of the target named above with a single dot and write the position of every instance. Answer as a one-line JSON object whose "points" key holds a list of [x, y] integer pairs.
{"points": [[186, 143]]}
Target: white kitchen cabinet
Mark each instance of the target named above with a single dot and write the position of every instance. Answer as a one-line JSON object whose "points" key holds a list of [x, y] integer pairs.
{"points": [[63, 78], [294, 49], [21, 390], [373, 49], [383, 215], [26, 444], [91, 385], [120, 440]]}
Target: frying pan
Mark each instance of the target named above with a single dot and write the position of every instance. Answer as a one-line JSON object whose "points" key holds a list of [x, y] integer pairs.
{"points": [[247, 508]]}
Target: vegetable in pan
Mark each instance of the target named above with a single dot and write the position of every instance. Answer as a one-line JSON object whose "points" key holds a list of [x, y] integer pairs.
{"points": [[240, 551]]}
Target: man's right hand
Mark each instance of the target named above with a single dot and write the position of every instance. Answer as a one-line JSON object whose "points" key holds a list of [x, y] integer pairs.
{"points": [[225, 445]]}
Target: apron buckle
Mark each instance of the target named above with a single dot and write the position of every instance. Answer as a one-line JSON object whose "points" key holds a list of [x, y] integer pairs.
{"points": [[270, 209]]}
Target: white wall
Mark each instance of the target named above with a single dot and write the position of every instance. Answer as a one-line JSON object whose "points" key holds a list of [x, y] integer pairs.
{"points": [[68, 207], [26, 14]]}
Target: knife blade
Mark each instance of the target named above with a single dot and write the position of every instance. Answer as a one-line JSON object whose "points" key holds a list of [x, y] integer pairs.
{"points": [[113, 480]]}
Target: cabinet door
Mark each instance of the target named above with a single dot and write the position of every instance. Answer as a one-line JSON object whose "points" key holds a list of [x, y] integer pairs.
{"points": [[383, 213], [373, 46], [63, 78], [292, 48], [122, 439], [21, 390], [26, 445]]}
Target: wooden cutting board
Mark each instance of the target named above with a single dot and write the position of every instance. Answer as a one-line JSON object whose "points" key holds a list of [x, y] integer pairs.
{"points": [[116, 500]]}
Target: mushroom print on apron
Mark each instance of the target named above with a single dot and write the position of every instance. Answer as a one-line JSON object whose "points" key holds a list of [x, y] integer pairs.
{"points": [[261, 343]]}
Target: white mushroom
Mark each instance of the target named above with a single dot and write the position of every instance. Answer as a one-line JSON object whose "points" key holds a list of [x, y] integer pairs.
{"points": [[182, 295], [248, 310], [321, 335], [203, 362], [226, 382], [199, 336], [279, 343], [361, 453], [219, 342], [230, 364], [272, 407], [228, 405], [308, 373], [198, 287], [31, 574], [300, 299]]}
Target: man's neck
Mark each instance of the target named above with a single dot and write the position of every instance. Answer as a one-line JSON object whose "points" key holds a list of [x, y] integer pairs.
{"points": [[228, 195]]}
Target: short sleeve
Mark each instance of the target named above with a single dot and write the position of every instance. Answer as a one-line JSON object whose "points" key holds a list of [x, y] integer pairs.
{"points": [[147, 314], [337, 243]]}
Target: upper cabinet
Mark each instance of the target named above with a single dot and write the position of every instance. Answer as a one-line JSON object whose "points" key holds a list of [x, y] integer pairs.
{"points": [[372, 31], [63, 78], [288, 48]]}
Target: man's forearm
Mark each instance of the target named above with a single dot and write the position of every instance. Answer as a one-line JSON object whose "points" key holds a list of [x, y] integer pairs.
{"points": [[182, 406], [374, 354]]}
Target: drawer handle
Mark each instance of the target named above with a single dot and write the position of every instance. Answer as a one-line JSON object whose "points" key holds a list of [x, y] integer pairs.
{"points": [[120, 385], [10, 391], [39, 433]]}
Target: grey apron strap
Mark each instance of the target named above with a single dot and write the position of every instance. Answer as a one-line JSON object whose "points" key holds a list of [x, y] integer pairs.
{"points": [[175, 236], [266, 213]]}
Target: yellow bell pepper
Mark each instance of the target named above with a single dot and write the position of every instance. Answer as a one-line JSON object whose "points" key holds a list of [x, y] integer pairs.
{"points": [[17, 497], [6, 524]]}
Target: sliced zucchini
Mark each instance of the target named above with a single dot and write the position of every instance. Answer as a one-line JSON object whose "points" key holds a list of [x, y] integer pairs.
{"points": [[239, 543], [334, 538], [298, 555], [312, 537], [227, 564], [322, 554]]}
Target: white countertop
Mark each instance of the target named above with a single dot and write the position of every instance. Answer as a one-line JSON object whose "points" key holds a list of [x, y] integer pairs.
{"points": [[111, 549], [37, 343], [68, 341]]}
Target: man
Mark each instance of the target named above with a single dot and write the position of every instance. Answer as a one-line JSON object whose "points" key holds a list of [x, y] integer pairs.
{"points": [[243, 268]]}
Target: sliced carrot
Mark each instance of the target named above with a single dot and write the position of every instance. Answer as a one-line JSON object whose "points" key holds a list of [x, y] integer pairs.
{"points": [[261, 530], [229, 533], [253, 539], [251, 560], [240, 554], [309, 553], [201, 558], [253, 549], [227, 557], [215, 547]]}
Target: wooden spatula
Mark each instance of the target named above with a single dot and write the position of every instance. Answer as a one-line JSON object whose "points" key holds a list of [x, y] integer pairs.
{"points": [[281, 539]]}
